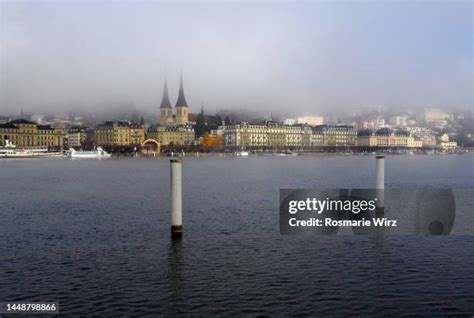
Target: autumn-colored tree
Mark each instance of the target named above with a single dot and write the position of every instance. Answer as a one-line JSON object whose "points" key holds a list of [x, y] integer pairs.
{"points": [[211, 140], [206, 140]]}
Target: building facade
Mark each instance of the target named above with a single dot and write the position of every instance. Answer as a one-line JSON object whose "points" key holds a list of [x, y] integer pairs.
{"points": [[76, 135], [279, 135], [173, 128], [445, 143], [311, 120], [24, 133], [177, 135], [426, 135], [119, 133], [334, 136], [398, 121], [387, 138]]}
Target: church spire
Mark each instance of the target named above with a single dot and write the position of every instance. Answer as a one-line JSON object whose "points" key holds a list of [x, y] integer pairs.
{"points": [[181, 102], [165, 101]]}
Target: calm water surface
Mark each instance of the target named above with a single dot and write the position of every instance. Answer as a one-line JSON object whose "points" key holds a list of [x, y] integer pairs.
{"points": [[93, 235]]}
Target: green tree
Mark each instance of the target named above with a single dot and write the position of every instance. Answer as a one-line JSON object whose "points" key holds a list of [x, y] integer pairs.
{"points": [[200, 123]]}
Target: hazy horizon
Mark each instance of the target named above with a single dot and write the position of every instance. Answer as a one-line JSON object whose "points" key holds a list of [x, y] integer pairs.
{"points": [[268, 57]]}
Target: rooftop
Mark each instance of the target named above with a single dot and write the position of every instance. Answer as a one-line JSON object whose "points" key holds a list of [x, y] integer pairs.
{"points": [[22, 121]]}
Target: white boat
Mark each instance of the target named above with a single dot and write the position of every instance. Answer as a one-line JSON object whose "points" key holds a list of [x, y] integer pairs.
{"points": [[11, 151], [97, 153], [241, 154], [286, 154]]}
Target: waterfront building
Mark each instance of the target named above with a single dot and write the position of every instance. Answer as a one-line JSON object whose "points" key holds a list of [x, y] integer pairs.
{"points": [[244, 134], [425, 135], [137, 133], [445, 144], [76, 136], [176, 135], [335, 136], [172, 128], [278, 135], [119, 133], [24, 133], [316, 138], [306, 136], [387, 138]]}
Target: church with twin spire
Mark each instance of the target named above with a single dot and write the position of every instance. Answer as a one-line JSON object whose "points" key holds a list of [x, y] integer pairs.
{"points": [[180, 117], [173, 127]]}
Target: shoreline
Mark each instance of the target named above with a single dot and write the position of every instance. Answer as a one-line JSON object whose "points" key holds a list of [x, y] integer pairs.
{"points": [[232, 155]]}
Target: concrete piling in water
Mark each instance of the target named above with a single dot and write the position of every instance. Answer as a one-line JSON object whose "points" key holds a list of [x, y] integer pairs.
{"points": [[380, 183], [176, 199]]}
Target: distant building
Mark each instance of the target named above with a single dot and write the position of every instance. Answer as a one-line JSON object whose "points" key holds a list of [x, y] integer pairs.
{"points": [[76, 135], [290, 121], [38, 118], [310, 120], [375, 123], [425, 135], [177, 135], [398, 121], [4, 119], [25, 133], [78, 120], [436, 118], [379, 122], [387, 138], [445, 144], [119, 133]]}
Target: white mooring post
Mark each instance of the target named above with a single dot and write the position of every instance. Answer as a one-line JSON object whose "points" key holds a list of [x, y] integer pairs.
{"points": [[176, 199], [380, 185]]}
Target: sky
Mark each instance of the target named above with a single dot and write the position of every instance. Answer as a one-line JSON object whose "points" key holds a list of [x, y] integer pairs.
{"points": [[301, 57]]}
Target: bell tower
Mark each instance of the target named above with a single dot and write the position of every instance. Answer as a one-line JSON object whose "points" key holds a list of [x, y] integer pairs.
{"points": [[181, 106], [166, 111]]}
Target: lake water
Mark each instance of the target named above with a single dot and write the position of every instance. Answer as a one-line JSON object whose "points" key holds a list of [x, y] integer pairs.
{"points": [[93, 235]]}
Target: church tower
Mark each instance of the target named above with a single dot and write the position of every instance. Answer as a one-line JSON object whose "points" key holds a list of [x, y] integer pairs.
{"points": [[166, 111], [181, 106]]}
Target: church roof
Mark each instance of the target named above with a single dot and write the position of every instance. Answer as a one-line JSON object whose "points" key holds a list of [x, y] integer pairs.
{"points": [[165, 101], [181, 102]]}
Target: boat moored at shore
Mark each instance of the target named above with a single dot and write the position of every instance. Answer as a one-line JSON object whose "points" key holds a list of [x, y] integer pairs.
{"points": [[97, 153]]}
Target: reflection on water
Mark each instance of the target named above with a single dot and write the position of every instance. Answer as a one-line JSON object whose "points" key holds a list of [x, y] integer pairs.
{"points": [[175, 260], [94, 236]]}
